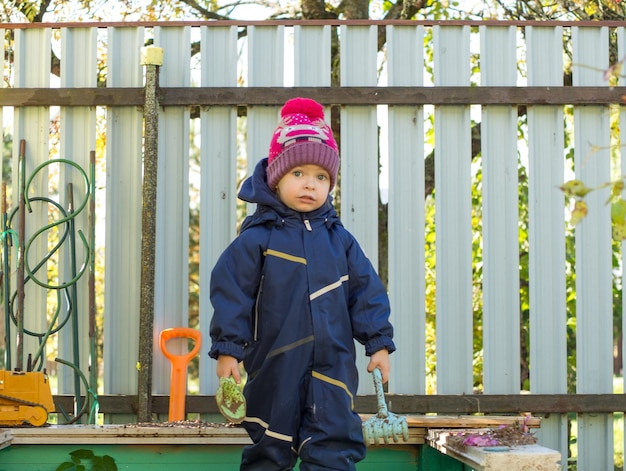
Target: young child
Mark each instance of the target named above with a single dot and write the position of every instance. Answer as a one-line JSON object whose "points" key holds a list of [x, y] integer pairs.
{"points": [[290, 295]]}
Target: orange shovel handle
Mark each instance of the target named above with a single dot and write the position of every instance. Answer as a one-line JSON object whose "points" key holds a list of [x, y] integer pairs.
{"points": [[179, 368]]}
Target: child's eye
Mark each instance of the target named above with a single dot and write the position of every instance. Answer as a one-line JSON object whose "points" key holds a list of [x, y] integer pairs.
{"points": [[297, 173], [322, 177]]}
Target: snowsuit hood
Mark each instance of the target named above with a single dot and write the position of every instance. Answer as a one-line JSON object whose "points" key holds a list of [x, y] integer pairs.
{"points": [[270, 208]]}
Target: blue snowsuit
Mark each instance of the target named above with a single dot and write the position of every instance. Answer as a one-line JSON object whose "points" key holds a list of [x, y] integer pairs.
{"points": [[290, 295]]}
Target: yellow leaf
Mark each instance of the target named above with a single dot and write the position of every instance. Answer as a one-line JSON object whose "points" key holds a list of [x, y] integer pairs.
{"points": [[617, 188], [579, 213], [619, 231], [575, 188], [590, 8]]}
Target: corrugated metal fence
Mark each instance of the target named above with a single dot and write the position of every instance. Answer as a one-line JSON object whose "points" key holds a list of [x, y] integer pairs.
{"points": [[279, 55]]}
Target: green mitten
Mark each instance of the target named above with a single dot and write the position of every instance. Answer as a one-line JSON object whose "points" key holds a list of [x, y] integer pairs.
{"points": [[230, 400]]}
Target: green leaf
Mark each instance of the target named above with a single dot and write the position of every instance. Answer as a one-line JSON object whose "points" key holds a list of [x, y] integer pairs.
{"points": [[97, 464], [618, 211], [82, 454], [65, 466], [109, 463]]}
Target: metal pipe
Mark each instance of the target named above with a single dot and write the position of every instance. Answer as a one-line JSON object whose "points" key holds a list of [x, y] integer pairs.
{"points": [[152, 61], [93, 355], [6, 279], [20, 258], [74, 295]]}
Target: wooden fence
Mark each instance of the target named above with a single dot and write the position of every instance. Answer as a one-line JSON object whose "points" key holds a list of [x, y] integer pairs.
{"points": [[101, 83]]}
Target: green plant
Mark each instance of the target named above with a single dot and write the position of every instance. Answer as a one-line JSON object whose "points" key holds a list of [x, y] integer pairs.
{"points": [[98, 463]]}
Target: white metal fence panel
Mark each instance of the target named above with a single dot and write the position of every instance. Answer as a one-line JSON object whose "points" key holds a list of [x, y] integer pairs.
{"points": [[266, 65], [171, 284], [453, 217], [546, 231], [406, 213], [123, 216], [359, 154], [621, 50], [78, 139], [311, 57], [594, 307], [3, 49], [501, 300], [32, 125], [218, 176]]}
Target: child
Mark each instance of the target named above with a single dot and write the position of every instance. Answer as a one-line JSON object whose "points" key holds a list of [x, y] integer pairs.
{"points": [[290, 295]]}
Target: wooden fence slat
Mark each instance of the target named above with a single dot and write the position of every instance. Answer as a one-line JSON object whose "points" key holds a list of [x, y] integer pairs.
{"points": [[501, 311], [482, 404], [406, 214], [594, 311], [453, 217], [546, 232], [276, 96]]}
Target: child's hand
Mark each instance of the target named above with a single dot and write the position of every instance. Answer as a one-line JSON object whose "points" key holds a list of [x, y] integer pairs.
{"points": [[380, 360], [228, 366]]}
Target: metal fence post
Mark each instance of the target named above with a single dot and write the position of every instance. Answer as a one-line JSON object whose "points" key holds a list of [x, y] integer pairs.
{"points": [[152, 58]]}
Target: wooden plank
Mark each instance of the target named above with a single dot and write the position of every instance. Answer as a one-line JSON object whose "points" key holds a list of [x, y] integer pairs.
{"points": [[123, 434], [315, 22], [519, 458], [401, 404], [79, 96], [498, 403], [184, 433], [275, 96], [469, 421], [5, 438], [145, 434]]}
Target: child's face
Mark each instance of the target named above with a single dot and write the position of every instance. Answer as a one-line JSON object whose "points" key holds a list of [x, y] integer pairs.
{"points": [[304, 188]]}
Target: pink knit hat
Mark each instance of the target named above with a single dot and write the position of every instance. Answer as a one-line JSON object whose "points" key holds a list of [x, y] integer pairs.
{"points": [[302, 137]]}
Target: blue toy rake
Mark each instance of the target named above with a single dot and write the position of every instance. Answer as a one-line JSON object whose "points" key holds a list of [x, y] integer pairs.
{"points": [[384, 425]]}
